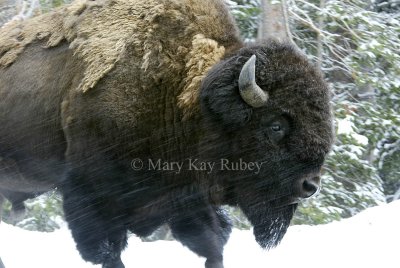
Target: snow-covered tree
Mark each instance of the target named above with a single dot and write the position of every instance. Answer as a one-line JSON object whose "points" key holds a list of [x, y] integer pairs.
{"points": [[23, 9], [43, 213], [247, 15], [358, 50]]}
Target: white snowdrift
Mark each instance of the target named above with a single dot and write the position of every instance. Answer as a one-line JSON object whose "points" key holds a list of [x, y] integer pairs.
{"points": [[370, 239]]}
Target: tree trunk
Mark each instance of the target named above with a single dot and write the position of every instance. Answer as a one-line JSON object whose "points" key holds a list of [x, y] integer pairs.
{"points": [[274, 22]]}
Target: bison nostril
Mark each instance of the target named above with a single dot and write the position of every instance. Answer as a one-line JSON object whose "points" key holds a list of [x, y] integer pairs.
{"points": [[310, 187]]}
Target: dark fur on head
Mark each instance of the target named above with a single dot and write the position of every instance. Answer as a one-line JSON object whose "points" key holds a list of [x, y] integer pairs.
{"points": [[293, 83], [298, 96], [220, 97]]}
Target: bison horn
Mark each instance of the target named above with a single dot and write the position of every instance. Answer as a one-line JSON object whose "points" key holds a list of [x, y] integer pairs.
{"points": [[251, 93]]}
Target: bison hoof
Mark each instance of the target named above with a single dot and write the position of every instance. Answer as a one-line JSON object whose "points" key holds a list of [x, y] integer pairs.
{"points": [[210, 264], [115, 263]]}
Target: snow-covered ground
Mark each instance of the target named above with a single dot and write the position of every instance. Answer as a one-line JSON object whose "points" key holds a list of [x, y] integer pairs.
{"points": [[370, 239]]}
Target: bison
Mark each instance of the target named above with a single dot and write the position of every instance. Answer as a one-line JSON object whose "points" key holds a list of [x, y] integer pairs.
{"points": [[151, 112]]}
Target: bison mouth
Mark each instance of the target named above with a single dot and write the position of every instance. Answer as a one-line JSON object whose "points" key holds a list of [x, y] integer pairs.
{"points": [[270, 223]]}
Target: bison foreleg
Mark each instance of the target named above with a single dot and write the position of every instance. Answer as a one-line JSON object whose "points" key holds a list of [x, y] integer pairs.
{"points": [[205, 232], [98, 237], [18, 211]]}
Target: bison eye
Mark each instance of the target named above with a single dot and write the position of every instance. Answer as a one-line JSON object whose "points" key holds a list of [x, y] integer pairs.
{"points": [[278, 129]]}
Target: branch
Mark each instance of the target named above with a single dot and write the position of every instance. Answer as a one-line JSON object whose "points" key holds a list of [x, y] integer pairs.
{"points": [[25, 13], [310, 24], [319, 37], [286, 21]]}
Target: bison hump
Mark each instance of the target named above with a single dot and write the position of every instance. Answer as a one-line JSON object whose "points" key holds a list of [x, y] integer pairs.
{"points": [[156, 33]]}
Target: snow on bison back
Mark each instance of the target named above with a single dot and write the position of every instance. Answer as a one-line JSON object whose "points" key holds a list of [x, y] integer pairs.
{"points": [[146, 112]]}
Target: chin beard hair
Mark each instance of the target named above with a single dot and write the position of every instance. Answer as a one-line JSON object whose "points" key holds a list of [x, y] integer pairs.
{"points": [[270, 225]]}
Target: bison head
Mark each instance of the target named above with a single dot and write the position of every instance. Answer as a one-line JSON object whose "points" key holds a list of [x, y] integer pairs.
{"points": [[268, 105]]}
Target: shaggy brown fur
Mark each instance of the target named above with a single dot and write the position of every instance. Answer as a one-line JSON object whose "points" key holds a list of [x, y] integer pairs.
{"points": [[100, 31]]}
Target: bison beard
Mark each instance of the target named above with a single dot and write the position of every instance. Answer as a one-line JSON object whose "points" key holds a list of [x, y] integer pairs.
{"points": [[269, 230]]}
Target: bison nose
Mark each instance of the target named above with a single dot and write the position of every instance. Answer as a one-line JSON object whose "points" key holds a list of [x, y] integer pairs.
{"points": [[307, 187]]}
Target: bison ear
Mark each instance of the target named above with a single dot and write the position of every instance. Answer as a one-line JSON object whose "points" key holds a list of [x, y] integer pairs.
{"points": [[220, 99]]}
